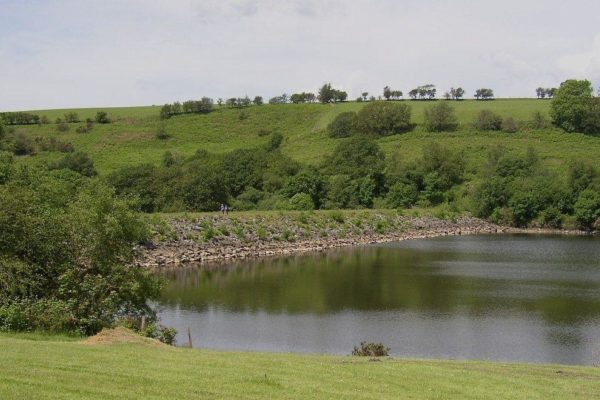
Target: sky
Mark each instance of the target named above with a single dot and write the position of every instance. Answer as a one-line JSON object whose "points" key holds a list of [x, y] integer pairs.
{"points": [[61, 54]]}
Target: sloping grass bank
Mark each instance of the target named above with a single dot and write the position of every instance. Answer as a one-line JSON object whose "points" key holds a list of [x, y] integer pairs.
{"points": [[58, 369]]}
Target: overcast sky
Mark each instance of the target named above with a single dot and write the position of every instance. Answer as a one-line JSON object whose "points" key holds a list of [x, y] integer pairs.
{"points": [[57, 54]]}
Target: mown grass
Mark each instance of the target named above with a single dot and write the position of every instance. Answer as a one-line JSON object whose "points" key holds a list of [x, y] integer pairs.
{"points": [[131, 138], [53, 369]]}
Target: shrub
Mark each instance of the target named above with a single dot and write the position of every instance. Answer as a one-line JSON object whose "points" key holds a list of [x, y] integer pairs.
{"points": [[402, 195], [371, 350], [102, 117], [552, 217], [337, 216], [509, 125], [440, 117], [6, 166], [382, 118], [261, 233], [342, 125], [486, 120], [23, 145], [539, 121], [161, 132], [587, 208], [71, 117], [301, 201], [62, 126], [78, 162], [275, 141]]}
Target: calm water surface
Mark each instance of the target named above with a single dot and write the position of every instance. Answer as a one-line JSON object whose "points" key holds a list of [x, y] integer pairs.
{"points": [[512, 298]]}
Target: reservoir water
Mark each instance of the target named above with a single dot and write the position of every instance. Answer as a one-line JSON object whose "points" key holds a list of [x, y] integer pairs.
{"points": [[501, 297]]}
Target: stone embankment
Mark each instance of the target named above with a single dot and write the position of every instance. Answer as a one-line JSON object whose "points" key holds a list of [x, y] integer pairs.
{"points": [[221, 238]]}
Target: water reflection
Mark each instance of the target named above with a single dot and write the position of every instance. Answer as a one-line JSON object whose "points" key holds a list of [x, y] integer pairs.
{"points": [[500, 297]]}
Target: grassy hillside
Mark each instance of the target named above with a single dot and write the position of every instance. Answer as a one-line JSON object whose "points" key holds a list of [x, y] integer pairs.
{"points": [[51, 369], [130, 139]]}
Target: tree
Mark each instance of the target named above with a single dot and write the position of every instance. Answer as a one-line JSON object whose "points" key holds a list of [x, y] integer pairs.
{"points": [[327, 94], [342, 125], [356, 157], [591, 122], [77, 273], [402, 195], [457, 93], [279, 99], [231, 102], [382, 118], [540, 92], [484, 94], [424, 92], [365, 96], [440, 117], [308, 181], [570, 105], [387, 92], [258, 101]]}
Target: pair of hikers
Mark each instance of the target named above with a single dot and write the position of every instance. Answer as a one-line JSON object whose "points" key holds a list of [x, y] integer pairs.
{"points": [[224, 208]]}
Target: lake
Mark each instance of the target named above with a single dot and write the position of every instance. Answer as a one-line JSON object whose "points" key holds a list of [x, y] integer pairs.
{"points": [[501, 297]]}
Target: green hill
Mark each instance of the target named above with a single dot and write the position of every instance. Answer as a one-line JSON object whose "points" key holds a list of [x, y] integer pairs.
{"points": [[131, 139]]}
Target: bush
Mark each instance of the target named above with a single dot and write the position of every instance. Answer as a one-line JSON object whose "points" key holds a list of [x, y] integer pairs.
{"points": [[587, 208], [161, 132], [552, 218], [23, 145], [440, 117], [275, 141], [402, 195], [302, 201], [102, 117], [382, 118], [539, 121], [486, 120], [371, 350], [337, 216], [78, 162], [356, 157], [6, 166], [62, 126], [510, 125], [342, 125], [71, 117]]}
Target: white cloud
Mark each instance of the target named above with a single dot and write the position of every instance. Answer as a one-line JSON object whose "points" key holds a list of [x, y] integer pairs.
{"points": [[585, 64], [148, 52]]}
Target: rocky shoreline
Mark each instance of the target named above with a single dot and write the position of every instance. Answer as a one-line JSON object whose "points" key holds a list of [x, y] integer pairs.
{"points": [[240, 238]]}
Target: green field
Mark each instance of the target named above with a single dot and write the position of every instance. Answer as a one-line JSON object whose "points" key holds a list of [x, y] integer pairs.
{"points": [[131, 140], [48, 368]]}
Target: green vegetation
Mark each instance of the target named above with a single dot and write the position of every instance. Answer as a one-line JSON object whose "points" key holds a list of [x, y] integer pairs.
{"points": [[70, 370], [65, 253], [299, 156]]}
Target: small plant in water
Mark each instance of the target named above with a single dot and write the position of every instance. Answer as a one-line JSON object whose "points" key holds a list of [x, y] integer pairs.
{"points": [[371, 350]]}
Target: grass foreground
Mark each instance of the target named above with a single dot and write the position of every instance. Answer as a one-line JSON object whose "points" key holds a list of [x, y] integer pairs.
{"points": [[61, 368]]}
